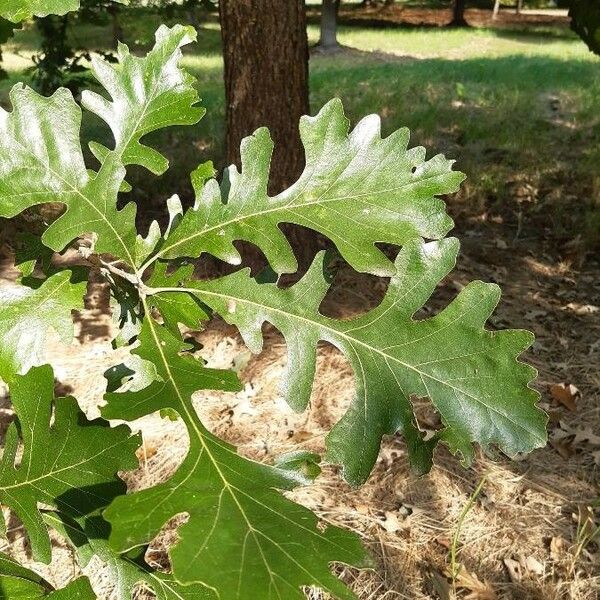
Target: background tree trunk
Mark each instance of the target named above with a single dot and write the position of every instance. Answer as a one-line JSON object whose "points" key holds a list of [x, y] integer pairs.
{"points": [[519, 6], [496, 9], [117, 30], [329, 15], [458, 14], [266, 78], [265, 49]]}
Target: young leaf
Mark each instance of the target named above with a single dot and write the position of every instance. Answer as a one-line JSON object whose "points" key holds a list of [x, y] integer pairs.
{"points": [[178, 307], [67, 461], [357, 189], [28, 315], [89, 536], [40, 152], [243, 538], [148, 94], [471, 375]]}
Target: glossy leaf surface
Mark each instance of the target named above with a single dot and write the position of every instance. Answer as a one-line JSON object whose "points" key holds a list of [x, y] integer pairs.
{"points": [[357, 189], [30, 315], [41, 158], [471, 375]]}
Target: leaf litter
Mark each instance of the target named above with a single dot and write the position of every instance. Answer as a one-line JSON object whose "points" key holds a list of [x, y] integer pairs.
{"points": [[406, 521]]}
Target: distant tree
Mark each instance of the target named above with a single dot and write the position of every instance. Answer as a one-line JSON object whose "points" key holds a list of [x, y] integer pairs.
{"points": [[56, 64], [6, 32], [519, 6], [97, 10], [191, 9], [496, 9], [329, 15], [585, 21], [59, 63], [458, 14]]}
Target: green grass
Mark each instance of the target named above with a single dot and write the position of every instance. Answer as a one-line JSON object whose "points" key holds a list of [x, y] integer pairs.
{"points": [[518, 110]]}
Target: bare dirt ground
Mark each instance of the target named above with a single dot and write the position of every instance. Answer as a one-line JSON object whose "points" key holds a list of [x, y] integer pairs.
{"points": [[397, 15], [525, 536]]}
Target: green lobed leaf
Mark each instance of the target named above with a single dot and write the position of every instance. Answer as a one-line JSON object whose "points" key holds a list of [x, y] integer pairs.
{"points": [[243, 538], [357, 189], [19, 10], [29, 315], [41, 159], [471, 375], [80, 589], [67, 462], [89, 536], [147, 94], [19, 583]]}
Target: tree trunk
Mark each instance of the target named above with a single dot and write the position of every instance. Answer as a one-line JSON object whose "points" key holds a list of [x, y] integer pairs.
{"points": [[265, 49], [3, 73], [117, 30], [519, 6], [496, 9], [266, 78], [191, 13], [458, 14], [329, 13]]}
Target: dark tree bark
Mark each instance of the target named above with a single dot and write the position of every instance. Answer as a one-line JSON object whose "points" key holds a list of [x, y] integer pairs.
{"points": [[265, 49], [117, 30], [458, 14], [329, 15]]}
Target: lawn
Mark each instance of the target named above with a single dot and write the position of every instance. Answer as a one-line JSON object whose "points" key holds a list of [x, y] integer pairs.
{"points": [[514, 107]]}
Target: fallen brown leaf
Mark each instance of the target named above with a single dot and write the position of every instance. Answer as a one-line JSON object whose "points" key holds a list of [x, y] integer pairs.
{"points": [[478, 590], [558, 548], [563, 447], [441, 586], [533, 565], [566, 394], [586, 435], [515, 571]]}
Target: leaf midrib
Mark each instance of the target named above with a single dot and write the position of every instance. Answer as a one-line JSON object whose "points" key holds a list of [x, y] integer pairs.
{"points": [[53, 474], [192, 421]]}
